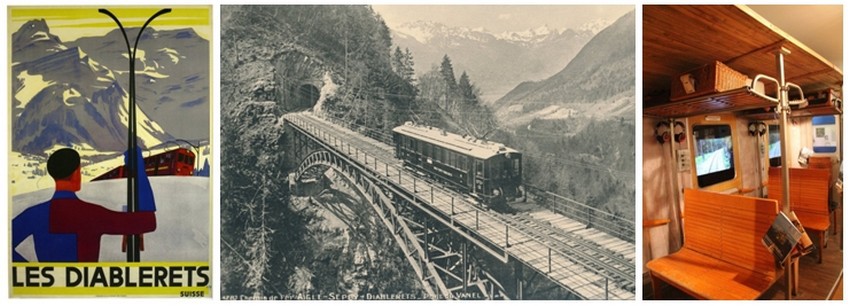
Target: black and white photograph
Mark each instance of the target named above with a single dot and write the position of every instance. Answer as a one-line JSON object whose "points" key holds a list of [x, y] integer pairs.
{"points": [[414, 152]]}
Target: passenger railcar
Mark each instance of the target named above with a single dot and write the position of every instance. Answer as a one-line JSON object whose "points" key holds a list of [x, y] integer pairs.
{"points": [[742, 121], [180, 162], [489, 171]]}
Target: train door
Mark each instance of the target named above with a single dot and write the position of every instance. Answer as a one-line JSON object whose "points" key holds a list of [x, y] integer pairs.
{"points": [[514, 164], [479, 176]]}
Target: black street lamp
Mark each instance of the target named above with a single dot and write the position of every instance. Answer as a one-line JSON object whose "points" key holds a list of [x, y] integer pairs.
{"points": [[132, 167]]}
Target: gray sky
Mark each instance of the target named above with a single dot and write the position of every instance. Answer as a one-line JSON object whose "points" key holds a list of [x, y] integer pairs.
{"points": [[497, 19]]}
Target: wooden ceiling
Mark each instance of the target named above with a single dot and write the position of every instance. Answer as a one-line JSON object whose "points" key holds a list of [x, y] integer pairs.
{"points": [[680, 38]]}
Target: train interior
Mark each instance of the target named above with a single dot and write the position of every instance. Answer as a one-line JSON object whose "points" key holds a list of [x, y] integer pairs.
{"points": [[714, 144]]}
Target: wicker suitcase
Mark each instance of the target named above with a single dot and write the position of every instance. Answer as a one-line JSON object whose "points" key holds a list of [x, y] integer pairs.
{"points": [[708, 79]]}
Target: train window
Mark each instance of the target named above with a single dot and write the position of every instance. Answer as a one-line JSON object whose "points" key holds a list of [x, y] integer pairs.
{"points": [[452, 160], [713, 154], [774, 149], [516, 167]]}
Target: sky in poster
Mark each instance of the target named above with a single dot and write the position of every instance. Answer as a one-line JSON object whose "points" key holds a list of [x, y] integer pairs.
{"points": [[70, 23]]}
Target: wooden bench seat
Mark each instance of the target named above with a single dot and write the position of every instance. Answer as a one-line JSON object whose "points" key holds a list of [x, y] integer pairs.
{"points": [[809, 199], [723, 257], [706, 277], [825, 162]]}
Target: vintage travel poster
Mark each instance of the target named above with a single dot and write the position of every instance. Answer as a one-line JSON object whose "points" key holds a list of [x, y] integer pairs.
{"points": [[109, 158]]}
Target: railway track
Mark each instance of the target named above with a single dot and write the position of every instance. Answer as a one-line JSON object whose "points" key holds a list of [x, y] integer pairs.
{"points": [[584, 252], [376, 148]]}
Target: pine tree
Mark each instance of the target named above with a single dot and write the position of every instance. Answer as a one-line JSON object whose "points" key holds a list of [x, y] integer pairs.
{"points": [[409, 73], [398, 62], [466, 89], [402, 63], [448, 74]]}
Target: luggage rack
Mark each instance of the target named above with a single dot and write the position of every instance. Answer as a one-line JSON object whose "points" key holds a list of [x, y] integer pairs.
{"points": [[740, 99], [818, 107]]}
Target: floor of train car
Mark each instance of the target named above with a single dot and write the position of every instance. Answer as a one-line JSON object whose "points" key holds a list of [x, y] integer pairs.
{"points": [[816, 280]]}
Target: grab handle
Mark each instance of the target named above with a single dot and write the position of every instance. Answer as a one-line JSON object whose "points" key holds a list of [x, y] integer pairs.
{"points": [[802, 102], [761, 94]]}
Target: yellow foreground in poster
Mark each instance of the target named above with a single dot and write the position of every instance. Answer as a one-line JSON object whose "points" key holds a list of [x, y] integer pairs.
{"points": [[179, 279]]}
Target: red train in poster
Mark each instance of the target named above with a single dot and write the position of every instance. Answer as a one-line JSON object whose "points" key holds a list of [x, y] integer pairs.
{"points": [[179, 162]]}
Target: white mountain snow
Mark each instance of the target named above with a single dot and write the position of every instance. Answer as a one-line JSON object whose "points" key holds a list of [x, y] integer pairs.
{"points": [[536, 35], [30, 85]]}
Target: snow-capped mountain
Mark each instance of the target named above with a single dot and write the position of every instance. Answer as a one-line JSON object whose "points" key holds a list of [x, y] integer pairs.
{"points": [[172, 78], [63, 96], [595, 26], [530, 36], [433, 32], [495, 62]]}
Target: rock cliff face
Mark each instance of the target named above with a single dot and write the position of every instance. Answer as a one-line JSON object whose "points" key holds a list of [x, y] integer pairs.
{"points": [[262, 62], [293, 55]]}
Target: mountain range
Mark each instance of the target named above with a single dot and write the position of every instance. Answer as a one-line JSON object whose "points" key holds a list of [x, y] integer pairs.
{"points": [[597, 82], [496, 62], [74, 93]]}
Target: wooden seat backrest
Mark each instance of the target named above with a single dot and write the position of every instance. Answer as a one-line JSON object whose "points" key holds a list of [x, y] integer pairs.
{"points": [[809, 189], [729, 227], [820, 162]]}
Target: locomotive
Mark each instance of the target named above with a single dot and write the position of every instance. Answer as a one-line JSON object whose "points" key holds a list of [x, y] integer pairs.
{"points": [[179, 162], [489, 171]]}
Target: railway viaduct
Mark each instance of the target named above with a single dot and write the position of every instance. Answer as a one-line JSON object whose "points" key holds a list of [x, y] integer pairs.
{"points": [[457, 249]]}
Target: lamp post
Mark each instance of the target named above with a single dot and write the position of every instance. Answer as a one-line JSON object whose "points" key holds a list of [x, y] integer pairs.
{"points": [[132, 167]]}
